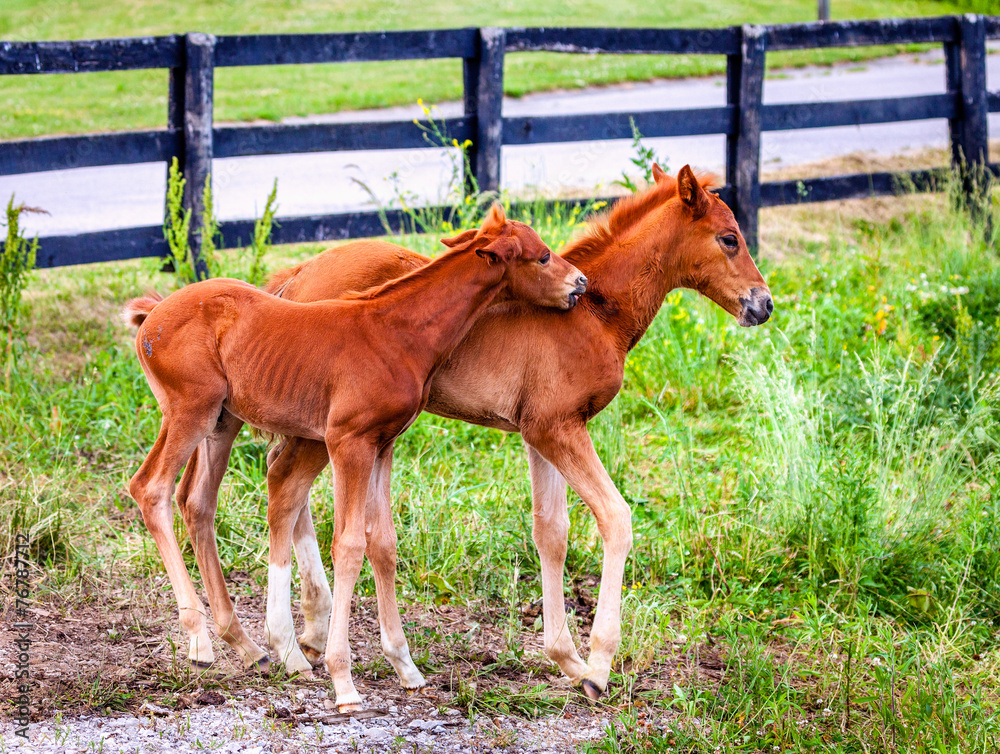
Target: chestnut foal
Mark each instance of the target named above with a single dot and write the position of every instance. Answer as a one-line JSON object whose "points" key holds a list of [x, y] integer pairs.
{"points": [[350, 375], [523, 369]]}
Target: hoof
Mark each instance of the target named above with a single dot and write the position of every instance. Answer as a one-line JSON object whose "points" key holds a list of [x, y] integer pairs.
{"points": [[350, 703], [296, 664], [206, 670], [590, 690], [314, 656], [263, 665], [303, 675], [413, 680]]}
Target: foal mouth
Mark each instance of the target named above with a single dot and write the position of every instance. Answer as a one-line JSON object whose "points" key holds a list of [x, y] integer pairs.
{"points": [[574, 297]]}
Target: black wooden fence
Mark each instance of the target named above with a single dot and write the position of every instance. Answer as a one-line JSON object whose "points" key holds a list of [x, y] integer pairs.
{"points": [[192, 138]]}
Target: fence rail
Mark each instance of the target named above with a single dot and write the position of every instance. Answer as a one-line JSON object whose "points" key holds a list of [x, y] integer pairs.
{"points": [[192, 138]]}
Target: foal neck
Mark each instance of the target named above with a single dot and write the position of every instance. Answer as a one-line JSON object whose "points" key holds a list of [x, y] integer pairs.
{"points": [[437, 304]]}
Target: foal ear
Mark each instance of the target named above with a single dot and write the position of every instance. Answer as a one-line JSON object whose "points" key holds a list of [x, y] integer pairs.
{"points": [[495, 219], [658, 173], [464, 237], [694, 197], [494, 222], [502, 250]]}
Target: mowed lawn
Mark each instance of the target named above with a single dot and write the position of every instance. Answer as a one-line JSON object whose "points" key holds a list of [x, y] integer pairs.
{"points": [[57, 104]]}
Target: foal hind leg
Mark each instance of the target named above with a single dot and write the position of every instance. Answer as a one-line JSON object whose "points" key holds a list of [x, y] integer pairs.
{"points": [[380, 533], [197, 498], [550, 530], [317, 599], [289, 476], [152, 488], [316, 596]]}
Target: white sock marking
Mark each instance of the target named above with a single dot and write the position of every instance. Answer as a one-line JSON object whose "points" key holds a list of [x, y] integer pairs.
{"points": [[278, 625]]}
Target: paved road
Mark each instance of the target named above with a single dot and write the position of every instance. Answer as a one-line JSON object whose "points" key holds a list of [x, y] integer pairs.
{"points": [[89, 199]]}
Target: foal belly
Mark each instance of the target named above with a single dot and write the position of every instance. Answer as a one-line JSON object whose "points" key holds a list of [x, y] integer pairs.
{"points": [[278, 416], [275, 425], [472, 402]]}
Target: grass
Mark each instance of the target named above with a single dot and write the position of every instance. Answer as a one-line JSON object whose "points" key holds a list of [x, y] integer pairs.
{"points": [[57, 104], [816, 563]]}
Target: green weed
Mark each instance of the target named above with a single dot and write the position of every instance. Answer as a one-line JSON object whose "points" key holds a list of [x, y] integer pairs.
{"points": [[247, 264], [17, 259], [643, 159], [177, 226]]}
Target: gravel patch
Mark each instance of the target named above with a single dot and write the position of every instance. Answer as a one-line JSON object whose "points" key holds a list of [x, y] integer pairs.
{"points": [[250, 722], [106, 676]]}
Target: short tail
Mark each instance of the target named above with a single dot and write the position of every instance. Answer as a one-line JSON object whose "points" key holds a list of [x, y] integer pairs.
{"points": [[134, 313], [277, 283]]}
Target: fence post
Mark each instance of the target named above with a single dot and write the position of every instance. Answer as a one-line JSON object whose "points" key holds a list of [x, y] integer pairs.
{"points": [[484, 99], [175, 107], [966, 76], [744, 91], [198, 92], [470, 97], [953, 85], [175, 126]]}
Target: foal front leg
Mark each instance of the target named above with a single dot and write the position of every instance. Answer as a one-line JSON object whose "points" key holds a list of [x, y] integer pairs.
{"points": [[550, 530], [353, 463], [381, 549], [569, 448]]}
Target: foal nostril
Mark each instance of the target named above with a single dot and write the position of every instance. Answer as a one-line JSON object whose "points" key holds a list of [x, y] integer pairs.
{"points": [[769, 305], [581, 281]]}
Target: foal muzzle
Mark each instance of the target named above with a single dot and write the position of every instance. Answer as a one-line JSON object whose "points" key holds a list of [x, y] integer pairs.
{"points": [[757, 307]]}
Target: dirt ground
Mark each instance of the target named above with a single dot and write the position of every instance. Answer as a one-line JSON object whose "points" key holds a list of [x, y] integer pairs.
{"points": [[112, 660]]}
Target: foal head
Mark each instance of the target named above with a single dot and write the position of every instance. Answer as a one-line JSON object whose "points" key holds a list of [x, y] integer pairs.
{"points": [[713, 258], [533, 273]]}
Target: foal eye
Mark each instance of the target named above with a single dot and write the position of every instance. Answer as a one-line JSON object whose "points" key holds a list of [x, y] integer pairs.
{"points": [[730, 241], [545, 259]]}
